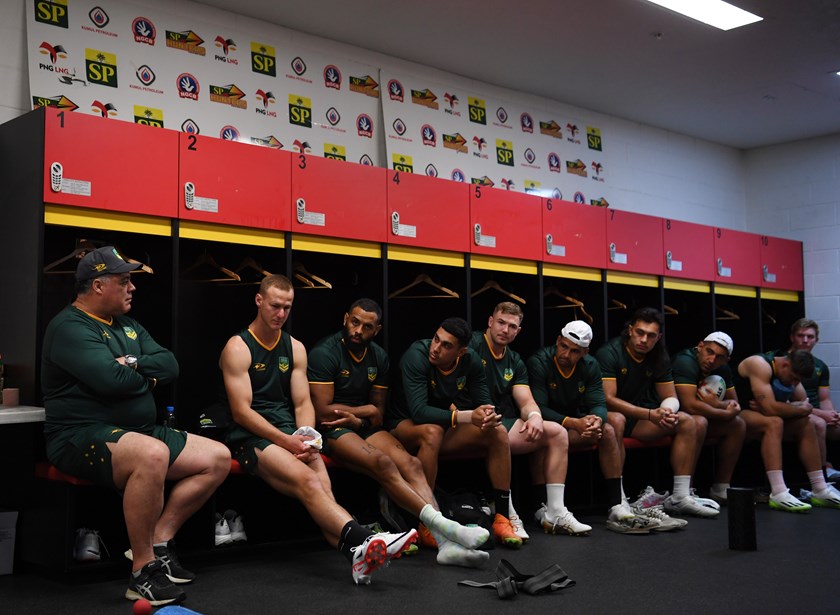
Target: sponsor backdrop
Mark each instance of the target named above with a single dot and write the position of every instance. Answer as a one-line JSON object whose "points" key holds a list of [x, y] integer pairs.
{"points": [[145, 65]]}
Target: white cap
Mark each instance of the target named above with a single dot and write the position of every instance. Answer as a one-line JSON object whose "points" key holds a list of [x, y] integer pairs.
{"points": [[578, 332], [719, 337]]}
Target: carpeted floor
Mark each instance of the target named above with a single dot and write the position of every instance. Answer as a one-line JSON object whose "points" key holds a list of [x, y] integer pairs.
{"points": [[690, 571]]}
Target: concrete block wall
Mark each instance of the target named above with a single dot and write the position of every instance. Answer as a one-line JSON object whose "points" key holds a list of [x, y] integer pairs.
{"points": [[793, 191]]}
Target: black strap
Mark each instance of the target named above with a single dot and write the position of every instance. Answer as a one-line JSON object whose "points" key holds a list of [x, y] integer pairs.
{"points": [[553, 578]]}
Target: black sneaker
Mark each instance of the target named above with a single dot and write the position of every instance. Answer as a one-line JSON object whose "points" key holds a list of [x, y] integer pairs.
{"points": [[171, 566], [153, 585]]}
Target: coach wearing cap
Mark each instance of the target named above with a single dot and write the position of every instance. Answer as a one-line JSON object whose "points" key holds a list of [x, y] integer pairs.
{"points": [[690, 367], [98, 370]]}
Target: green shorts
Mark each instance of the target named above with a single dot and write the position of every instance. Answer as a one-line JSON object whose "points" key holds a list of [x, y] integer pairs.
{"points": [[86, 454], [508, 423], [335, 434], [244, 448]]}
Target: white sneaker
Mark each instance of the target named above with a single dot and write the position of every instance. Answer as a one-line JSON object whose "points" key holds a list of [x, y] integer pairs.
{"points": [[621, 519], [564, 523], [396, 544], [827, 498], [786, 502], [87, 546], [222, 531], [708, 502], [648, 497], [519, 527], [666, 522], [832, 475], [689, 506], [236, 525], [368, 557]]}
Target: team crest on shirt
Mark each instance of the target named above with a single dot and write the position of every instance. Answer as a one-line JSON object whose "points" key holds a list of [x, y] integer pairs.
{"points": [[648, 373], [552, 385], [283, 364], [345, 373], [461, 383], [259, 367], [581, 388], [818, 371], [508, 374], [105, 334], [130, 333], [371, 374], [623, 371]]}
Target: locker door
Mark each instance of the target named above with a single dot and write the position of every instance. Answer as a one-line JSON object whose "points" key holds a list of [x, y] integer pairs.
{"points": [[574, 234], [234, 183], [107, 164], [737, 257], [428, 212], [505, 224], [688, 250], [338, 199], [781, 263], [634, 242]]}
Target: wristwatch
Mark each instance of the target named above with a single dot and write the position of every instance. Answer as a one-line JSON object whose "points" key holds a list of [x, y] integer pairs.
{"points": [[131, 361]]}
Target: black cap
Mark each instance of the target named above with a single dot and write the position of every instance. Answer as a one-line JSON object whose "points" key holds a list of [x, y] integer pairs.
{"points": [[103, 261]]}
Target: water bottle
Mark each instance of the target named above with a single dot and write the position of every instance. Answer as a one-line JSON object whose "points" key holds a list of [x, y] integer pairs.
{"points": [[170, 421]]}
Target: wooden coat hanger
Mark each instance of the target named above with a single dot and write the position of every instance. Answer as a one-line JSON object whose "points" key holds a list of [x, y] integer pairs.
{"points": [[309, 280], [768, 317], [615, 304], [424, 279], [206, 259], [493, 285], [576, 304], [84, 246], [669, 311], [727, 314], [253, 266]]}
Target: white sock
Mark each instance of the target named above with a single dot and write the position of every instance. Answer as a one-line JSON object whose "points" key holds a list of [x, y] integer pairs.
{"points": [[777, 482], [682, 483], [511, 509], [440, 526], [817, 479], [452, 554], [555, 493], [719, 489], [623, 495]]}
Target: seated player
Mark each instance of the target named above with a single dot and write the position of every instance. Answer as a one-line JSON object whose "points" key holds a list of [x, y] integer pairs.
{"points": [[348, 376], [546, 442], [566, 382], [776, 407], [639, 386], [804, 335], [265, 381], [690, 367], [422, 414]]}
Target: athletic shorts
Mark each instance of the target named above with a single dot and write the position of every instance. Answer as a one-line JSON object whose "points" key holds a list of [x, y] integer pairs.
{"points": [[508, 423], [335, 434], [86, 453], [243, 449]]}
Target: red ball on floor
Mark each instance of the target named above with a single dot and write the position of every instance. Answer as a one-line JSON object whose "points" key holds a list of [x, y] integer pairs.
{"points": [[142, 607]]}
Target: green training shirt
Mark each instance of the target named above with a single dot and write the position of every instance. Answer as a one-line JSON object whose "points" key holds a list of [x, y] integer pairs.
{"points": [[424, 393], [502, 374], [635, 380], [352, 377], [686, 370], [83, 384], [271, 383], [559, 395]]}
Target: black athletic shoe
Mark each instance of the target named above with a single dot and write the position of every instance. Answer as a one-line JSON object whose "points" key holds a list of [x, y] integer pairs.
{"points": [[171, 566], [153, 585]]}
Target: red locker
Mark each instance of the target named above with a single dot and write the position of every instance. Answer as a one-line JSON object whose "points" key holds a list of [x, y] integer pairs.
{"points": [[737, 257], [506, 224], [688, 250], [781, 263], [428, 212], [574, 234], [634, 242], [108, 164], [234, 183], [338, 199]]}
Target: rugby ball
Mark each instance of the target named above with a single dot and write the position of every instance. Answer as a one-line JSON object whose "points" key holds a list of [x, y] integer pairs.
{"points": [[714, 384]]}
